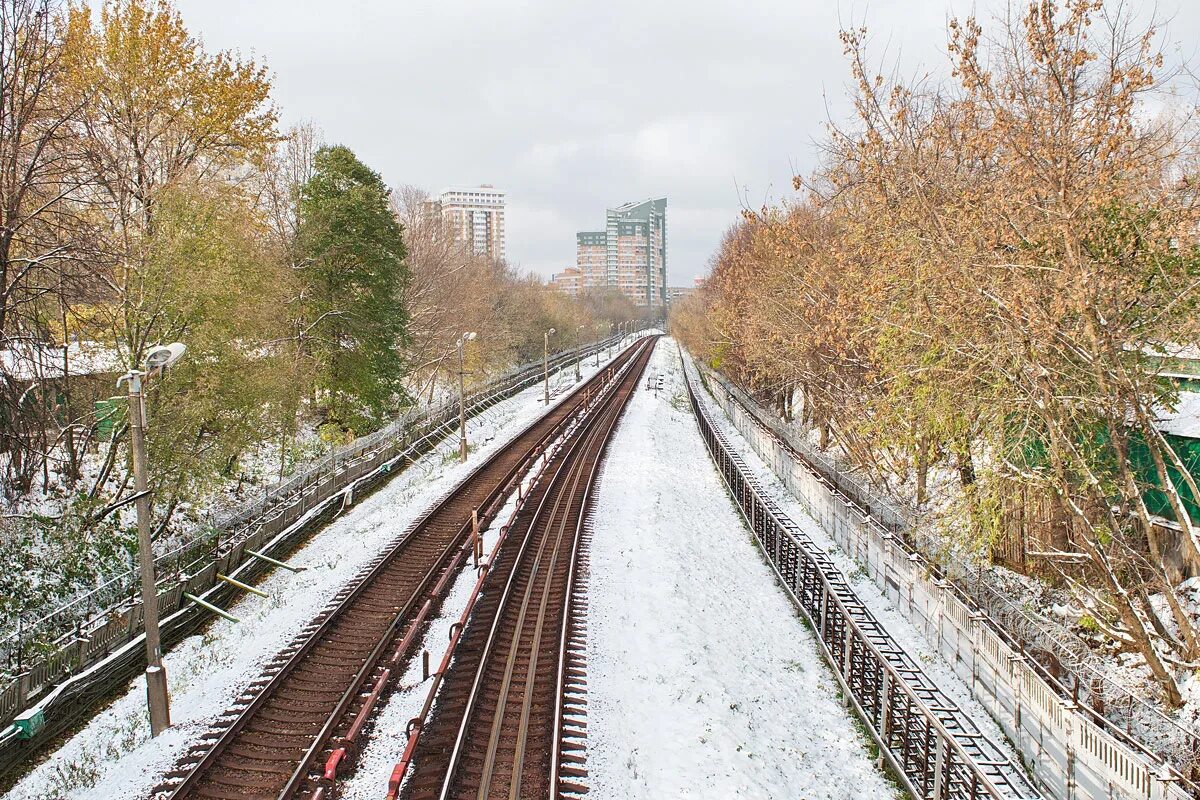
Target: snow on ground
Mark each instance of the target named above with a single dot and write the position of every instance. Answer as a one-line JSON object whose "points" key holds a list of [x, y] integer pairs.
{"points": [[904, 633], [112, 755], [703, 681], [388, 735]]}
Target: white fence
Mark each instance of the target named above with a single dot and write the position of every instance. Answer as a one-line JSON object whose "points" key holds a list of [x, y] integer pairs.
{"points": [[1073, 752]]}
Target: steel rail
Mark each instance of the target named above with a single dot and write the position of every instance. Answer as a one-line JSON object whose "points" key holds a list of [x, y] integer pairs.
{"points": [[569, 618], [570, 468], [534, 574], [537, 484], [595, 439], [563, 492], [543, 430]]}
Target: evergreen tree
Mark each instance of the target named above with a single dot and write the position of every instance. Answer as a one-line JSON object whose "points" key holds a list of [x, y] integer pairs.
{"points": [[352, 261]]}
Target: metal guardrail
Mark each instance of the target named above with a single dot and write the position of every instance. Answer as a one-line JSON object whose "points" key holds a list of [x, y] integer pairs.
{"points": [[1074, 751], [934, 748], [193, 567], [1142, 724]]}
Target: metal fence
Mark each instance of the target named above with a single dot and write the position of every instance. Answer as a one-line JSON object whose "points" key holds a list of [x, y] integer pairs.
{"points": [[934, 748], [1073, 751], [89, 629], [1071, 667]]}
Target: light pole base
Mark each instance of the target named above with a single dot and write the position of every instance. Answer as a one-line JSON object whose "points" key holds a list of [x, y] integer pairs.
{"points": [[158, 699], [462, 449]]}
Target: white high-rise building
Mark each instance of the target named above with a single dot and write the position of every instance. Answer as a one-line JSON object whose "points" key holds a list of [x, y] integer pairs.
{"points": [[476, 215]]}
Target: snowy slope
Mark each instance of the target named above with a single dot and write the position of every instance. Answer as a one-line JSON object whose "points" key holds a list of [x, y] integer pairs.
{"points": [[902, 631], [703, 682], [113, 757]]}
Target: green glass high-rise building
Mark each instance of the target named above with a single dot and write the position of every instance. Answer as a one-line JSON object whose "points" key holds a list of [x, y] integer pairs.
{"points": [[630, 254]]}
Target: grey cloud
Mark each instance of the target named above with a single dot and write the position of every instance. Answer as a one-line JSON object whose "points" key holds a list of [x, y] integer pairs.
{"points": [[572, 107]]}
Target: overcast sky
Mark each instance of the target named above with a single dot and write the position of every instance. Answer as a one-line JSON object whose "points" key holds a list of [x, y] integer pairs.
{"points": [[573, 107]]}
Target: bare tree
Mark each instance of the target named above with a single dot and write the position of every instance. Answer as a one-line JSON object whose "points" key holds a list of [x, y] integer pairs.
{"points": [[39, 176]]}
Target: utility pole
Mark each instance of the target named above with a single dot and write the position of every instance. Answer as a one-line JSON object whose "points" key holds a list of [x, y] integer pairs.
{"points": [[157, 695], [578, 353], [462, 402], [546, 364]]}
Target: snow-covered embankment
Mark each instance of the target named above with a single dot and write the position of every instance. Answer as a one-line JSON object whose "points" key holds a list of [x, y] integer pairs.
{"points": [[703, 681]]}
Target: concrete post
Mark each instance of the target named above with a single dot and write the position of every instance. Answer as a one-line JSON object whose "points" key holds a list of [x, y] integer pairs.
{"points": [[156, 676], [462, 407]]}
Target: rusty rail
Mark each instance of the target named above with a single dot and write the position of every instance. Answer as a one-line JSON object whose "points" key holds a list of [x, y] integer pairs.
{"points": [[315, 697], [505, 708]]}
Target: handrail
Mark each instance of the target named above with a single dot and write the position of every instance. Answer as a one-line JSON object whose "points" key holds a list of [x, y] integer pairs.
{"points": [[885, 704], [1090, 725]]}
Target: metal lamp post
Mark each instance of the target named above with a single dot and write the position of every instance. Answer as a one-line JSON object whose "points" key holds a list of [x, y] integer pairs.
{"points": [[578, 354], [157, 695], [546, 364], [462, 402]]}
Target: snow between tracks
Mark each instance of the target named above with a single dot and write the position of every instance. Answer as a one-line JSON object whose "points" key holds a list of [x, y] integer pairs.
{"points": [[702, 680]]}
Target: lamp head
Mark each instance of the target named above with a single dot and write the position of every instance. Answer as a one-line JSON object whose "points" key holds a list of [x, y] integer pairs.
{"points": [[162, 356]]}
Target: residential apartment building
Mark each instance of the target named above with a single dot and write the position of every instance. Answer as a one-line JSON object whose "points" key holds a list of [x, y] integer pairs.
{"points": [[591, 259], [629, 255], [569, 281], [475, 215]]}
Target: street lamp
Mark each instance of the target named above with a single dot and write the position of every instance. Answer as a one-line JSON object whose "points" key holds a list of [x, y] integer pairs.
{"points": [[462, 403], [157, 696], [546, 364]]}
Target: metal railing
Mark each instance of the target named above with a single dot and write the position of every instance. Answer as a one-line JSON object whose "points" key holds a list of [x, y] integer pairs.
{"points": [[934, 748], [1074, 750], [85, 631]]}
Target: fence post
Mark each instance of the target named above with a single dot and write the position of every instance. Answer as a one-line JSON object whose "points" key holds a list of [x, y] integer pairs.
{"points": [[847, 647], [23, 687], [976, 624], [824, 609], [885, 714], [939, 766], [941, 610], [1018, 686], [1070, 708], [1160, 783]]}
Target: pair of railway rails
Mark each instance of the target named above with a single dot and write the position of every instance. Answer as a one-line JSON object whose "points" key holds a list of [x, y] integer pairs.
{"points": [[508, 720]]}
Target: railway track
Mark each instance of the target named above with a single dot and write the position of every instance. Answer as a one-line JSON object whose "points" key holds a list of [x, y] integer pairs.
{"points": [[300, 724], [509, 716]]}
